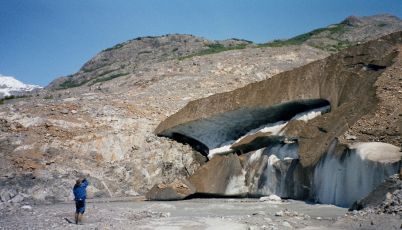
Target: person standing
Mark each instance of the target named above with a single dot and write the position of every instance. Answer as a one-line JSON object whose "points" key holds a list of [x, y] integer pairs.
{"points": [[80, 194]]}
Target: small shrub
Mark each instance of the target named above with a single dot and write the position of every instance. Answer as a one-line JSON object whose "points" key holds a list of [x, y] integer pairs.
{"points": [[107, 78], [87, 70], [145, 52], [70, 83], [118, 46], [215, 48], [106, 72], [298, 40], [2, 100]]}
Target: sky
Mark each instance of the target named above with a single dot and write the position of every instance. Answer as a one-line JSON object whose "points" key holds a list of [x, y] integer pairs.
{"points": [[41, 40]]}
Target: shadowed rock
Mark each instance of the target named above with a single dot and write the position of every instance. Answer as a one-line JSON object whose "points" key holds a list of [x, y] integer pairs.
{"points": [[177, 190], [214, 177], [379, 194]]}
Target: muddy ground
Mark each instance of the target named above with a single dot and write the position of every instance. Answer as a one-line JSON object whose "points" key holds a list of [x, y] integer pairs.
{"points": [[196, 214]]}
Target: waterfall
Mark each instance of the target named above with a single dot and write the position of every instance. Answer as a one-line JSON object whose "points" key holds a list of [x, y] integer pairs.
{"points": [[277, 178], [352, 176], [273, 169]]}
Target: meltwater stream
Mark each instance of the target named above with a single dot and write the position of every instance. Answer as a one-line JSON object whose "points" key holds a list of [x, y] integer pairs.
{"points": [[339, 180]]}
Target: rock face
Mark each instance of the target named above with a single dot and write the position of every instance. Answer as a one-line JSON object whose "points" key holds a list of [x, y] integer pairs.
{"points": [[382, 195], [177, 190], [291, 161], [219, 176]]}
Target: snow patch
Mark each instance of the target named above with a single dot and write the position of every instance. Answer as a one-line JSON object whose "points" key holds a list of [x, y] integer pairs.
{"points": [[220, 150], [377, 152], [11, 86], [255, 156], [309, 115]]}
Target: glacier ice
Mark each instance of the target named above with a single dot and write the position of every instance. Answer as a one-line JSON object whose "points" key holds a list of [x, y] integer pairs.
{"points": [[273, 129], [271, 163], [277, 178], [341, 180], [215, 130], [336, 179]]}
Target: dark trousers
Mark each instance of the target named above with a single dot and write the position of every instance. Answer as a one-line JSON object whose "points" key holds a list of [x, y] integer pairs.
{"points": [[80, 206]]}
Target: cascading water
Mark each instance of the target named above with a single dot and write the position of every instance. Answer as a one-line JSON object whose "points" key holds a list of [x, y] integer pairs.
{"points": [[278, 175], [352, 176], [273, 169]]}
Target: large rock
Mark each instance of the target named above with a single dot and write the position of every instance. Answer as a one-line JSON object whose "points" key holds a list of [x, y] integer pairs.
{"points": [[218, 176], [5, 196], [17, 199], [177, 190]]}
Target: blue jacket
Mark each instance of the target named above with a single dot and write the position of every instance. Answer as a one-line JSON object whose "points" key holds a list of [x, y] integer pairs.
{"points": [[80, 192]]}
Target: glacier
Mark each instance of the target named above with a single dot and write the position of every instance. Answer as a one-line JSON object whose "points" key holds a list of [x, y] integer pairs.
{"points": [[268, 153], [273, 129]]}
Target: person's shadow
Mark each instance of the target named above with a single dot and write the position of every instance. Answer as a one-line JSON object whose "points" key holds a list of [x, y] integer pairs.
{"points": [[69, 221]]}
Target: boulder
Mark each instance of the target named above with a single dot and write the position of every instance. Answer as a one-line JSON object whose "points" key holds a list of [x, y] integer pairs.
{"points": [[17, 199], [271, 198], [379, 195], [177, 190], [5, 196], [26, 207], [254, 142], [215, 176]]}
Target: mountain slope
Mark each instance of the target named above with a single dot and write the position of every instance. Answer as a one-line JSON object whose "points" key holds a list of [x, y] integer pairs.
{"points": [[135, 56], [350, 31]]}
